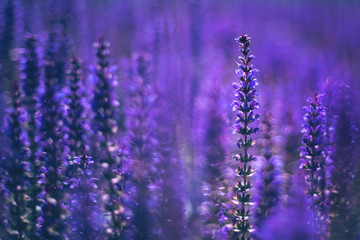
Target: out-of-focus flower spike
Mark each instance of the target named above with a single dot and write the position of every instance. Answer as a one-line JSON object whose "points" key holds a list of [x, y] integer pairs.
{"points": [[215, 178], [14, 166], [54, 212], [30, 86], [106, 148], [86, 216], [76, 121], [268, 182], [142, 145], [312, 152]]}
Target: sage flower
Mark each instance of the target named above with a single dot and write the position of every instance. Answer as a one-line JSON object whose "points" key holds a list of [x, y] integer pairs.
{"points": [[245, 105]]}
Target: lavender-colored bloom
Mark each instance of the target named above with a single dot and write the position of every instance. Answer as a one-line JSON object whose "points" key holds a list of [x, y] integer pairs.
{"points": [[214, 168], [313, 162], [268, 182], [31, 78], [85, 215], [103, 103], [15, 170], [245, 105], [141, 126], [105, 129], [76, 118], [53, 210]]}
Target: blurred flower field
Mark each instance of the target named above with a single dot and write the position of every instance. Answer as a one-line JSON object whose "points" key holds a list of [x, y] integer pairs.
{"points": [[193, 119]]}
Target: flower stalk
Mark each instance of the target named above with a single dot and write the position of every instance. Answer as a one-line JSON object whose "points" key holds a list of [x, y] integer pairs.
{"points": [[105, 129], [313, 161], [15, 168], [30, 86], [245, 105]]}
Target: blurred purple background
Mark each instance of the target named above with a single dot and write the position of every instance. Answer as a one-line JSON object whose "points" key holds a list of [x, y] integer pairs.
{"points": [[299, 46]]}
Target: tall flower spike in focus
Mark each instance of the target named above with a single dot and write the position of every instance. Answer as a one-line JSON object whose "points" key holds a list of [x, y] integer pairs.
{"points": [[313, 161], [245, 106], [30, 86], [105, 129], [15, 170]]}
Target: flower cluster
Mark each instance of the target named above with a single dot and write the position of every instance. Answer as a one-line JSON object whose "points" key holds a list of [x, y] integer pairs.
{"points": [[141, 125], [76, 115], [15, 168], [103, 103], [215, 192], [313, 160], [105, 129], [30, 86], [85, 215], [53, 210], [245, 105]]}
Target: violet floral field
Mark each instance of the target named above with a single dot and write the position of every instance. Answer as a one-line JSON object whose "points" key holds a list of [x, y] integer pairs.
{"points": [[154, 120]]}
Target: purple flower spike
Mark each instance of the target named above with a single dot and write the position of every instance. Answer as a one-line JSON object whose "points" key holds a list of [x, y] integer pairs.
{"points": [[215, 188], [31, 82], [105, 129], [54, 211], [313, 162], [14, 167], [268, 182], [141, 126], [86, 216], [245, 94], [76, 119]]}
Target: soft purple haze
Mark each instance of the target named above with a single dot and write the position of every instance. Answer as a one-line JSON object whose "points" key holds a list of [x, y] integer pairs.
{"points": [[143, 89]]}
